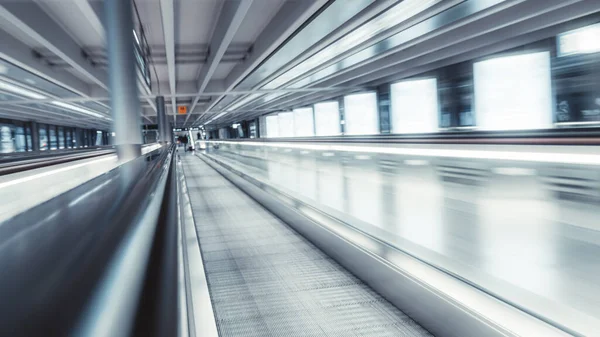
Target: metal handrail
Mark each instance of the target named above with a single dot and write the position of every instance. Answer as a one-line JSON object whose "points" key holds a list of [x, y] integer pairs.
{"points": [[575, 136], [18, 156], [31, 161], [86, 262], [34, 163]]}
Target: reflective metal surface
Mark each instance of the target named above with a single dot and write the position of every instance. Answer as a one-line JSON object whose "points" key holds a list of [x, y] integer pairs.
{"points": [[82, 254], [522, 229], [24, 190]]}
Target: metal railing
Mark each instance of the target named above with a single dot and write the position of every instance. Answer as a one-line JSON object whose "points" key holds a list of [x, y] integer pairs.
{"points": [[98, 260]]}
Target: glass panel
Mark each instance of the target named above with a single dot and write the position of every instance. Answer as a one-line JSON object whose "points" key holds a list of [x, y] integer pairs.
{"points": [[86, 137], [53, 139], [99, 137], [272, 126], [304, 124], [327, 118], [513, 92], [43, 131], [20, 143], [414, 106], [360, 114], [69, 139], [61, 138], [28, 138], [455, 95], [223, 133], [7, 144], [286, 124], [252, 128]]}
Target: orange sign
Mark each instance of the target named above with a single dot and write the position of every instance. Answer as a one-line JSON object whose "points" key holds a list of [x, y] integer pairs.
{"points": [[182, 109]]}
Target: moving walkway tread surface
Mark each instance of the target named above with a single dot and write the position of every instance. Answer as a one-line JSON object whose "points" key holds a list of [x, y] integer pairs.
{"points": [[267, 280]]}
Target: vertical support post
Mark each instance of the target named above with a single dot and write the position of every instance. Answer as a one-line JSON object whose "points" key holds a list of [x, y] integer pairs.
{"points": [[125, 105], [35, 137], [163, 126], [342, 116]]}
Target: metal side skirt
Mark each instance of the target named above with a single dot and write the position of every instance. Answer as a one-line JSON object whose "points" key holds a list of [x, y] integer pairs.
{"points": [[439, 302], [199, 310]]}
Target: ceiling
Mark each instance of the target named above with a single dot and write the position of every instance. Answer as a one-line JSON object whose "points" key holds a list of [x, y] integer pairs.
{"points": [[230, 60]]}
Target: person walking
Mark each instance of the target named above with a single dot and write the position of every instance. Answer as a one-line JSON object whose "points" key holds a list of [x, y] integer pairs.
{"points": [[185, 142]]}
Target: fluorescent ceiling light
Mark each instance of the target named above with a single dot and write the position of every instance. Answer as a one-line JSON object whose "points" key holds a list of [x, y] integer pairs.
{"points": [[78, 109], [20, 91], [392, 17], [136, 37]]}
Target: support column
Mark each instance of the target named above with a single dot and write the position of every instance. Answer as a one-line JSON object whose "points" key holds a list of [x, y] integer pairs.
{"points": [[125, 104], [161, 118], [35, 137]]}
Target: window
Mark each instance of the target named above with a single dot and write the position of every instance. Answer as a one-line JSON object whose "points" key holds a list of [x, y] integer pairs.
{"points": [[61, 138], [28, 138], [327, 118], [53, 138], [513, 92], [7, 144], [414, 106], [272, 126], [20, 141], [360, 114], [43, 133], [286, 124], [304, 124], [585, 40], [68, 138]]}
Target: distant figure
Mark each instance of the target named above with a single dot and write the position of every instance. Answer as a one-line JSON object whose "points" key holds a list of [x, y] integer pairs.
{"points": [[198, 136], [184, 140]]}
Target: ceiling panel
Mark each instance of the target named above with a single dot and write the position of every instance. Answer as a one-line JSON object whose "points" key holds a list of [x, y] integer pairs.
{"points": [[18, 34], [73, 21], [151, 20], [195, 20], [223, 70], [187, 72], [161, 71], [260, 14]]}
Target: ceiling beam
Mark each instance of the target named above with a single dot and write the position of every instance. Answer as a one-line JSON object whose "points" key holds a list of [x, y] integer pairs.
{"points": [[533, 29], [41, 115], [168, 26], [524, 17], [31, 20], [91, 17], [19, 54], [291, 16], [230, 19]]}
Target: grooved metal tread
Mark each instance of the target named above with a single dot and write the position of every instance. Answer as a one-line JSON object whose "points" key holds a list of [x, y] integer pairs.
{"points": [[266, 280]]}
